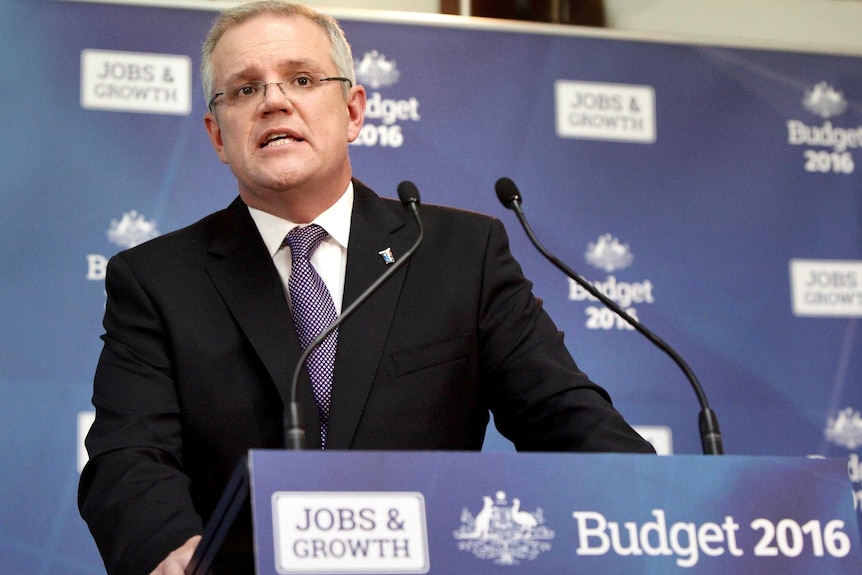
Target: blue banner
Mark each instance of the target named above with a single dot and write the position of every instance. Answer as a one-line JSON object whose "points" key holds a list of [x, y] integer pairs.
{"points": [[379, 512], [711, 191]]}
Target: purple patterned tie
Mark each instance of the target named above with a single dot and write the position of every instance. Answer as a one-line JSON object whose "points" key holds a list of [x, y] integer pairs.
{"points": [[313, 311]]}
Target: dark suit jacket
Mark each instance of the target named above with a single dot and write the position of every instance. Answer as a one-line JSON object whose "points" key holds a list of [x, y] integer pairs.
{"points": [[200, 347]]}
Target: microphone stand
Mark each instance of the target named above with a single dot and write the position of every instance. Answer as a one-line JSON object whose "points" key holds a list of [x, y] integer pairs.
{"points": [[710, 435], [294, 428]]}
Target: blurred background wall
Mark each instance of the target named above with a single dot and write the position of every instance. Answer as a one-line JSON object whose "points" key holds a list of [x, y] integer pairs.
{"points": [[822, 25]]}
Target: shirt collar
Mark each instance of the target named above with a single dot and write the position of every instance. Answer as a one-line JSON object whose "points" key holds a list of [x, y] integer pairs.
{"points": [[335, 220]]}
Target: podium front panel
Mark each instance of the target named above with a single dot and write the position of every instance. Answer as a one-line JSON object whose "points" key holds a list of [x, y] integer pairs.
{"points": [[421, 512]]}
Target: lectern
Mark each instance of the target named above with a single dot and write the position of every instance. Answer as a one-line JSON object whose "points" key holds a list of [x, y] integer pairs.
{"points": [[455, 513]]}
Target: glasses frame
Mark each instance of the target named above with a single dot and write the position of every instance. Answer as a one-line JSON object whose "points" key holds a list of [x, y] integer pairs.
{"points": [[279, 84]]}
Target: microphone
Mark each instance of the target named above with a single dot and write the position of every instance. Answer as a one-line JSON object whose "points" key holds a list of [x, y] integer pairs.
{"points": [[294, 427], [710, 436]]}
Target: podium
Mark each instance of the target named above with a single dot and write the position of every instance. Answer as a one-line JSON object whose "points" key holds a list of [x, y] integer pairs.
{"points": [[489, 513]]}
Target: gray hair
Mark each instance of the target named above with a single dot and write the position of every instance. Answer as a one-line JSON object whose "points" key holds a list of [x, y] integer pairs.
{"points": [[341, 55]]}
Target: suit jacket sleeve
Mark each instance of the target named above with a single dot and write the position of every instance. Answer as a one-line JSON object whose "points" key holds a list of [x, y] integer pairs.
{"points": [[541, 400], [133, 492]]}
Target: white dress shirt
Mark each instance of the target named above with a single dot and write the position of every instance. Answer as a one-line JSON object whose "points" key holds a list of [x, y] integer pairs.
{"points": [[329, 260]]}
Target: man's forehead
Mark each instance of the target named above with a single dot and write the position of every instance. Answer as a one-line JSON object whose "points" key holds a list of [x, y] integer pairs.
{"points": [[276, 44], [266, 28]]}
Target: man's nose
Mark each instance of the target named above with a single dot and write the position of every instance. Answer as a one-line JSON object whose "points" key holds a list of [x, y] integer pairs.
{"points": [[275, 98]]}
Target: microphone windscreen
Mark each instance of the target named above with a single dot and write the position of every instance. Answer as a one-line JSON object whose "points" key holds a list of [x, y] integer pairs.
{"points": [[408, 193], [507, 192]]}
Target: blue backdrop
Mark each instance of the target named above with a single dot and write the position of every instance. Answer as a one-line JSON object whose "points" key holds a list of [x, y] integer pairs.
{"points": [[712, 190]]}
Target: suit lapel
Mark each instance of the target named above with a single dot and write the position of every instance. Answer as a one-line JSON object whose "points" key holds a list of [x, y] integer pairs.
{"points": [[242, 271], [248, 282], [362, 337]]}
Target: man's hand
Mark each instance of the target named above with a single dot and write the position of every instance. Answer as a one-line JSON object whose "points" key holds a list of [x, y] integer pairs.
{"points": [[176, 562]]}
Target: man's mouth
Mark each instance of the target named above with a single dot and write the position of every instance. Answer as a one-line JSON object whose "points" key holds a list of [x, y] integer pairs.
{"points": [[278, 139]]}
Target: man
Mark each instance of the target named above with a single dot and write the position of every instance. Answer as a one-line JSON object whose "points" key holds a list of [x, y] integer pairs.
{"points": [[200, 340]]}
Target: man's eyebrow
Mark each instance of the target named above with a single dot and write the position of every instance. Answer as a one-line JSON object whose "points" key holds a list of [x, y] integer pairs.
{"points": [[302, 63], [253, 73], [242, 75]]}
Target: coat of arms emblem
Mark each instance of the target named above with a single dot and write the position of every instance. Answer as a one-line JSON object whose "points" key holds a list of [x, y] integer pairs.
{"points": [[503, 532]]}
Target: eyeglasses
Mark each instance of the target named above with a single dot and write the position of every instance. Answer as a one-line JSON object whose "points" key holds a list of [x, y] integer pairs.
{"points": [[252, 93]]}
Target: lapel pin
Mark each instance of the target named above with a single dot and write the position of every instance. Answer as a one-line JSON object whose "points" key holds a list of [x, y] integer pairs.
{"points": [[387, 256]]}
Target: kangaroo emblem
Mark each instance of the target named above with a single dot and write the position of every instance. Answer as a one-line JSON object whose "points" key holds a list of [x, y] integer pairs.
{"points": [[503, 532]]}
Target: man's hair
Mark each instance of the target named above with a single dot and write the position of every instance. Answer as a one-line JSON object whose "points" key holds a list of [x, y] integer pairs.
{"points": [[341, 54]]}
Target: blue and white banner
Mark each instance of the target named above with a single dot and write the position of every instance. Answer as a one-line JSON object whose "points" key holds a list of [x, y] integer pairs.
{"points": [[714, 192], [386, 512]]}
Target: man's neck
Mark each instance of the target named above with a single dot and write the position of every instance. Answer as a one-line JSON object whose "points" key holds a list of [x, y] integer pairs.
{"points": [[300, 206]]}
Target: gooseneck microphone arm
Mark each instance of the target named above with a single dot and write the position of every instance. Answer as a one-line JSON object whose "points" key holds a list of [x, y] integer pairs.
{"points": [[710, 436], [294, 427]]}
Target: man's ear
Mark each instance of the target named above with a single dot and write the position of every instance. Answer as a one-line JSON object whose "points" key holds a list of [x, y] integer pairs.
{"points": [[355, 112], [214, 132]]}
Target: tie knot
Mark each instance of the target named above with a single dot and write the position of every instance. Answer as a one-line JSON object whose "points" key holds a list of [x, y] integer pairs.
{"points": [[304, 240]]}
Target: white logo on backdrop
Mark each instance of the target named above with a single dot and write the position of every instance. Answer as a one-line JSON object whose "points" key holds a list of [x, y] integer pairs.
{"points": [[132, 229], [375, 71], [127, 232], [824, 101], [600, 111], [503, 532], [826, 288], [136, 82], [608, 254], [384, 117], [830, 147], [845, 429]]}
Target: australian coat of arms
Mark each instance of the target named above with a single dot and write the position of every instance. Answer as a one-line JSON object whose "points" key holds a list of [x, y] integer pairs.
{"points": [[503, 532]]}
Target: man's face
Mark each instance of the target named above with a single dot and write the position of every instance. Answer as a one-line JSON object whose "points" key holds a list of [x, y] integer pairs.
{"points": [[314, 128]]}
